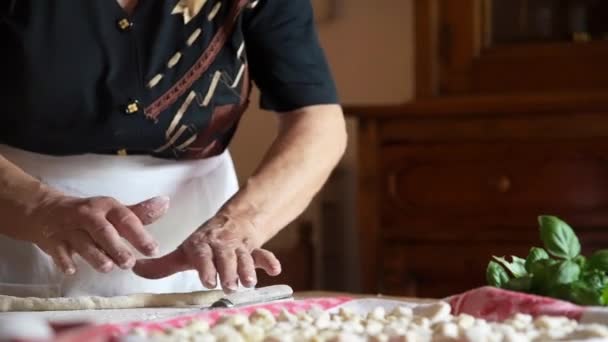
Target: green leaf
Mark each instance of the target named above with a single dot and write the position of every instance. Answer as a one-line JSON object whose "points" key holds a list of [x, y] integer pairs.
{"points": [[496, 275], [541, 266], [523, 284], [540, 270], [560, 291], [605, 295], [583, 294], [563, 272], [516, 267], [599, 260], [595, 278], [581, 261], [535, 254], [558, 237]]}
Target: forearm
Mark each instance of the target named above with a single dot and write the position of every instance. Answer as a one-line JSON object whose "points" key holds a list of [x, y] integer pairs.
{"points": [[19, 193], [309, 145]]}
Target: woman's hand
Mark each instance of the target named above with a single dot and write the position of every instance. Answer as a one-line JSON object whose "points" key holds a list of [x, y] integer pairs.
{"points": [[223, 245], [310, 142], [93, 228]]}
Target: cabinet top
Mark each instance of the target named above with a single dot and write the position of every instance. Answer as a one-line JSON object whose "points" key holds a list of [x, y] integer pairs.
{"points": [[529, 103]]}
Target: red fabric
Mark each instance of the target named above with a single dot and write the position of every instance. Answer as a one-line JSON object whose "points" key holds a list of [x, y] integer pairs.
{"points": [[112, 332], [488, 303], [494, 304]]}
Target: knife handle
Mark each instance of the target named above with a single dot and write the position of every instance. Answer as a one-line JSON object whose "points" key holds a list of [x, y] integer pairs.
{"points": [[259, 295]]}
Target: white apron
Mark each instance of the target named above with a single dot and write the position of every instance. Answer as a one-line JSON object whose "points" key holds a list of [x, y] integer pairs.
{"points": [[197, 190]]}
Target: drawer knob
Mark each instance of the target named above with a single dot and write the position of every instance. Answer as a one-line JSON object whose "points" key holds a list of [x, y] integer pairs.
{"points": [[503, 184]]}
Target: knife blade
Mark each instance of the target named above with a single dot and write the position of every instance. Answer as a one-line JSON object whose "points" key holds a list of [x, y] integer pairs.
{"points": [[253, 296]]}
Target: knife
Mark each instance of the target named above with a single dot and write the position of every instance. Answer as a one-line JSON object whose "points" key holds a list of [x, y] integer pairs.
{"points": [[253, 296]]}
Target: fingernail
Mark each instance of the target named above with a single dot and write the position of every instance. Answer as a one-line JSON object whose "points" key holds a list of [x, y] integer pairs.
{"points": [[70, 271], [107, 267], [251, 282], [127, 264], [212, 282], [151, 249]]}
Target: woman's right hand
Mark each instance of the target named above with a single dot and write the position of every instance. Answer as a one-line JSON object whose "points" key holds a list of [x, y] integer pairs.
{"points": [[93, 228]]}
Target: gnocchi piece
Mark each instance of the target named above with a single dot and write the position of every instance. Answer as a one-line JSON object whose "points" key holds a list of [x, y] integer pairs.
{"points": [[316, 311], [447, 330], [308, 332], [589, 331], [379, 338], [377, 314], [262, 318], [410, 336], [322, 320], [547, 322], [478, 333], [234, 320], [345, 313], [226, 332], [304, 317], [274, 338], [347, 337], [353, 327], [464, 321], [199, 326], [420, 322], [428, 323], [402, 311], [252, 333], [434, 312], [205, 338], [286, 316], [373, 327]]}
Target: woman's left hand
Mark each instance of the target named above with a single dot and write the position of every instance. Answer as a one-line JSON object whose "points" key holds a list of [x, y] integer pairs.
{"points": [[223, 245]]}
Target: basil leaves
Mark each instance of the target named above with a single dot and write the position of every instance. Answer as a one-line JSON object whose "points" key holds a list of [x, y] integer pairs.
{"points": [[558, 270], [559, 239]]}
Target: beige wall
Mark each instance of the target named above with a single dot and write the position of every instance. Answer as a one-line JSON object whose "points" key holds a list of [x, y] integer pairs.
{"points": [[370, 50]]}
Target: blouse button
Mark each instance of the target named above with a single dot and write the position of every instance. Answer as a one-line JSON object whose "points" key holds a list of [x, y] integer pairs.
{"points": [[132, 107], [124, 24]]}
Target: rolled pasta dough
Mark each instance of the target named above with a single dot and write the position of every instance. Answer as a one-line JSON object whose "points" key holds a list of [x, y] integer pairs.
{"points": [[141, 300]]}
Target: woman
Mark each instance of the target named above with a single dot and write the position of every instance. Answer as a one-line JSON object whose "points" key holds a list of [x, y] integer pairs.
{"points": [[112, 109]]}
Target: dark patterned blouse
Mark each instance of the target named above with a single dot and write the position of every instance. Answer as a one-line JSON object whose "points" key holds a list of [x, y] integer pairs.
{"points": [[171, 80]]}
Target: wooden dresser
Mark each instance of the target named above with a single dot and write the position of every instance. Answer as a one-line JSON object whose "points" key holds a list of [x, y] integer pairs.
{"points": [[462, 172]]}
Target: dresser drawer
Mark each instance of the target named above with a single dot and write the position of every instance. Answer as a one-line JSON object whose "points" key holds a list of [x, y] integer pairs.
{"points": [[467, 186], [436, 269]]}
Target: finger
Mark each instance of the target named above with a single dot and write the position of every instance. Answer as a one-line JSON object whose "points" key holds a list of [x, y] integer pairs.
{"points": [[82, 243], [267, 261], [225, 262], [130, 227], [106, 236], [201, 257], [150, 210], [164, 266], [62, 257], [246, 268]]}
